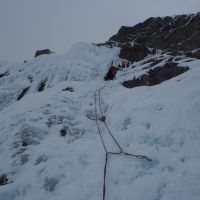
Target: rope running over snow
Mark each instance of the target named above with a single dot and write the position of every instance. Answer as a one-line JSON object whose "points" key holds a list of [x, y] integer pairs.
{"points": [[121, 151]]}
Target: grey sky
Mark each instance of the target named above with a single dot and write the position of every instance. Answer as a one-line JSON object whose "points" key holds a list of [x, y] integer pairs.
{"points": [[28, 25]]}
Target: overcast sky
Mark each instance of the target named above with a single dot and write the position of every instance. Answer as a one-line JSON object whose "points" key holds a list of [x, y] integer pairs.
{"points": [[28, 25]]}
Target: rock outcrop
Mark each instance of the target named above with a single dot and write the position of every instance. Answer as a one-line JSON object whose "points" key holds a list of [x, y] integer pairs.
{"points": [[157, 75]]}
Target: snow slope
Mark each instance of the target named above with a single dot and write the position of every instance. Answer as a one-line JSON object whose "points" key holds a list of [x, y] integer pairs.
{"points": [[161, 122]]}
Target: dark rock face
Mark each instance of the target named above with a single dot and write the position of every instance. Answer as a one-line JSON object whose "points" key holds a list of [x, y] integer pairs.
{"points": [[41, 52], [173, 34], [156, 76], [134, 53]]}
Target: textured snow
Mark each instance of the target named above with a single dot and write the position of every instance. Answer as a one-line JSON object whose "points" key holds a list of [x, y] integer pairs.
{"points": [[161, 122]]}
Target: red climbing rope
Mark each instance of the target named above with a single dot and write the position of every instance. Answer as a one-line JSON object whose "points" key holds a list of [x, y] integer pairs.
{"points": [[96, 119], [107, 125], [98, 92]]}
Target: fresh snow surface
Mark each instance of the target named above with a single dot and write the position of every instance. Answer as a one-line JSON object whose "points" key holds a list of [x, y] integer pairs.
{"points": [[161, 122]]}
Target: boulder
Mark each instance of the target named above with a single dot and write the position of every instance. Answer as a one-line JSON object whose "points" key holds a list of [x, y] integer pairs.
{"points": [[3, 179], [42, 52]]}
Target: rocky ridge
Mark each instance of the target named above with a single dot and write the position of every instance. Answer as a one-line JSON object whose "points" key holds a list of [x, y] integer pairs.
{"points": [[179, 35]]}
